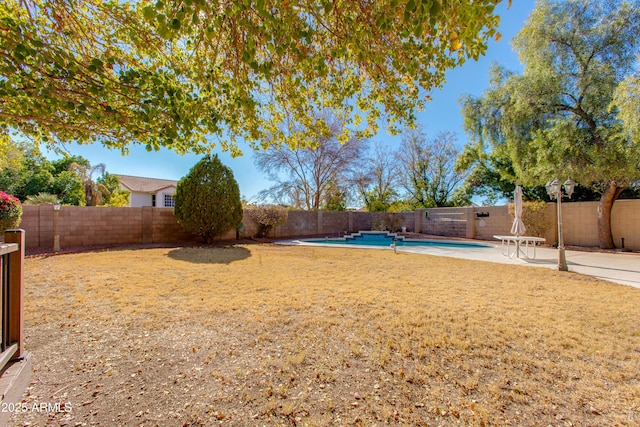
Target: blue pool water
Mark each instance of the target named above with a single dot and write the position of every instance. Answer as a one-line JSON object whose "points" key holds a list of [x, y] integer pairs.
{"points": [[383, 238]]}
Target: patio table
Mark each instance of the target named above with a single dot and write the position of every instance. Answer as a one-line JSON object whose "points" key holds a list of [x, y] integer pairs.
{"points": [[529, 250]]}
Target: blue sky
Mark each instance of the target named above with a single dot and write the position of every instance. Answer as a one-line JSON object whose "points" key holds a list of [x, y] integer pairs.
{"points": [[441, 114]]}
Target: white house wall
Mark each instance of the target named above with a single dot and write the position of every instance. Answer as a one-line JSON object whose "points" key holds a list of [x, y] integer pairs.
{"points": [[160, 196], [138, 200]]}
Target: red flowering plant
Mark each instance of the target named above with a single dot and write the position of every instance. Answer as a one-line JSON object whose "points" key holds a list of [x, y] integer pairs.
{"points": [[10, 211]]}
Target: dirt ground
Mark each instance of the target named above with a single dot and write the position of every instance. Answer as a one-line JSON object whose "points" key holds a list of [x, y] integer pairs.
{"points": [[262, 335]]}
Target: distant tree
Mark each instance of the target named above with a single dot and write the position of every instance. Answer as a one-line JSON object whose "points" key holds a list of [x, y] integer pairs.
{"points": [[336, 197], [93, 189], [376, 180], [114, 194], [427, 168], [207, 200], [306, 177], [31, 175], [64, 163], [11, 152], [69, 188], [70, 178], [491, 176], [559, 116]]}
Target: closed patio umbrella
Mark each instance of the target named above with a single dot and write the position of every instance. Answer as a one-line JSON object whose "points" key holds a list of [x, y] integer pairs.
{"points": [[518, 227]]}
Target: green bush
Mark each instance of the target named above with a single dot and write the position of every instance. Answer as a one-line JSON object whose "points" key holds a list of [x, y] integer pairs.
{"points": [[10, 212], [41, 199], [207, 200], [267, 217], [386, 222]]}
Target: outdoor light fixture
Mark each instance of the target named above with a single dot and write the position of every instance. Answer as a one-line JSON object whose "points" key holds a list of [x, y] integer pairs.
{"points": [[56, 235], [554, 189]]}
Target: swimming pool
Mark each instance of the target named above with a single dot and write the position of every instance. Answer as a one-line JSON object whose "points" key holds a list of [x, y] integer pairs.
{"points": [[386, 239]]}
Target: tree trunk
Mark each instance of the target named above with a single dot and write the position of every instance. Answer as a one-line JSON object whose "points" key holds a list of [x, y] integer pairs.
{"points": [[610, 194]]}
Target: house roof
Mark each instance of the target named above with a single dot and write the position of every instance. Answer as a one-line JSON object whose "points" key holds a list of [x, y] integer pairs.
{"points": [[145, 185]]}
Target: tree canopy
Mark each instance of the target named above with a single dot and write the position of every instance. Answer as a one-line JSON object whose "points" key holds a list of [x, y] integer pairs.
{"points": [[187, 74], [556, 119], [627, 99]]}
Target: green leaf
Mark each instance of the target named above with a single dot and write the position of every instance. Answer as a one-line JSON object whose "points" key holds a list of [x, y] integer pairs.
{"points": [[149, 13], [209, 33], [164, 32], [97, 63], [435, 8]]}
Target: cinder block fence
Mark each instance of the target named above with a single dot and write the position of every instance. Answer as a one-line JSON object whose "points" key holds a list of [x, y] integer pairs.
{"points": [[80, 226]]}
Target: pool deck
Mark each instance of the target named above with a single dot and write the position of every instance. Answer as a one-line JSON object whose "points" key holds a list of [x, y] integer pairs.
{"points": [[618, 267]]}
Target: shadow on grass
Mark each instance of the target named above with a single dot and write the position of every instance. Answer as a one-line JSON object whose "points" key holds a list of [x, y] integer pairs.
{"points": [[210, 255]]}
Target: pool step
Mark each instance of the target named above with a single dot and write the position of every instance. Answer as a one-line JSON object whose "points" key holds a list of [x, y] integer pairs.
{"points": [[366, 235]]}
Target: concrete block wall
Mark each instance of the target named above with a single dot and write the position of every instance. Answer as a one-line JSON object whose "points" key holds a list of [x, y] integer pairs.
{"points": [[450, 228], [31, 221], [81, 226], [490, 221], [408, 219], [78, 226], [301, 223], [166, 229], [331, 222], [362, 220], [451, 222]]}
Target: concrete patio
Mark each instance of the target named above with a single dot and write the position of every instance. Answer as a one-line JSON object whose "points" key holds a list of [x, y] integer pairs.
{"points": [[622, 267]]}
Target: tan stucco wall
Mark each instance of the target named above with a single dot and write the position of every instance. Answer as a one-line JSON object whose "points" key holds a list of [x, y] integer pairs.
{"points": [[580, 223]]}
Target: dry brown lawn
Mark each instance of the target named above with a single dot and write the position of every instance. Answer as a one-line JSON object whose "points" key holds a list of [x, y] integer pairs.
{"points": [[264, 335]]}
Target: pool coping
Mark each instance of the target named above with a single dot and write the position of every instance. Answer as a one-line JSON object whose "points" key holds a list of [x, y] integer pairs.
{"points": [[433, 243]]}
